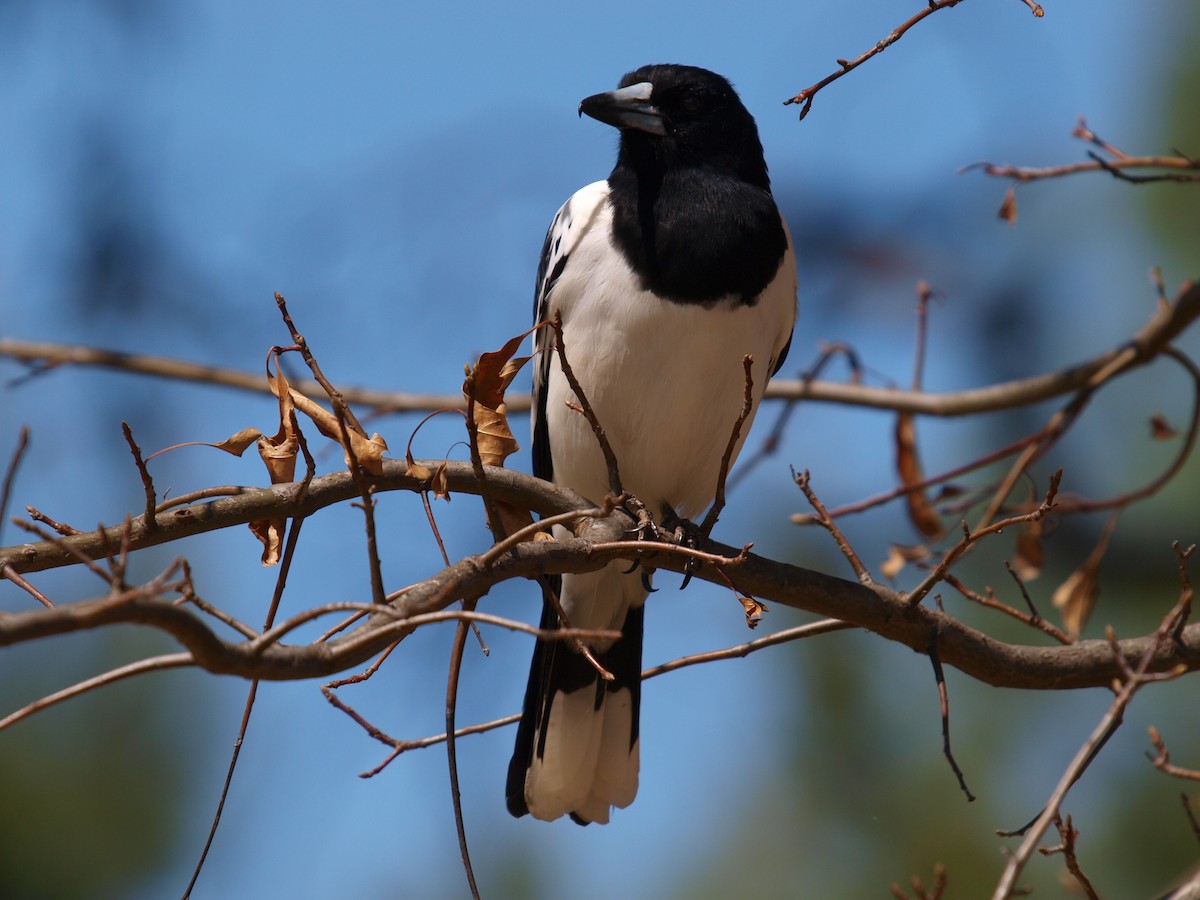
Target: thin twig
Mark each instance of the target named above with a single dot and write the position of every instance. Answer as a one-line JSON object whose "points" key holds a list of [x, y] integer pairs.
{"points": [[144, 473], [845, 66], [585, 407], [153, 664], [735, 435], [10, 473], [456, 655], [1163, 763], [990, 601], [1135, 678], [944, 701], [823, 517], [280, 583], [1066, 831], [8, 572], [825, 626], [970, 538], [346, 420]]}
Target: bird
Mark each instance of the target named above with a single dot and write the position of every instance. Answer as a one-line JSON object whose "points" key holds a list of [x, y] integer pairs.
{"points": [[666, 275]]}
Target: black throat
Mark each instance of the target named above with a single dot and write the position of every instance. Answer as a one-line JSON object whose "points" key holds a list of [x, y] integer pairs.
{"points": [[694, 233]]}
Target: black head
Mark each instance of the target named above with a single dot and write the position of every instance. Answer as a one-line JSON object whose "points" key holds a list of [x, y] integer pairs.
{"points": [[672, 115]]}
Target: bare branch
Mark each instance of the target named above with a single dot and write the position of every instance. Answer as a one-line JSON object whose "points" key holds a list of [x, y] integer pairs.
{"points": [[806, 96], [1167, 323]]}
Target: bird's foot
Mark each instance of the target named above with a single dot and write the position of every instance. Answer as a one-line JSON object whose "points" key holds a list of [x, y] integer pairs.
{"points": [[645, 528], [686, 533]]}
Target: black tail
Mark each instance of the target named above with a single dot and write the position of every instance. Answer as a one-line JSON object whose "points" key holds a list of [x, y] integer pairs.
{"points": [[558, 669]]}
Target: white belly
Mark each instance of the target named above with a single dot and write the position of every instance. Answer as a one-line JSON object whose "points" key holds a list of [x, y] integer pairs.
{"points": [[666, 380]]}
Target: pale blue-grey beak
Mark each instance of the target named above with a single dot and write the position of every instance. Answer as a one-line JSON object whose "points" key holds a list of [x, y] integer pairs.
{"points": [[627, 107]]}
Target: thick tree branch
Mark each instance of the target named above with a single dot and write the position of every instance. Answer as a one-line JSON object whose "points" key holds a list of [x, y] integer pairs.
{"points": [[877, 609]]}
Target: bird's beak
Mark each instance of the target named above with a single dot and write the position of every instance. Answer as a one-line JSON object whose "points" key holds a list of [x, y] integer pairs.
{"points": [[627, 107]]}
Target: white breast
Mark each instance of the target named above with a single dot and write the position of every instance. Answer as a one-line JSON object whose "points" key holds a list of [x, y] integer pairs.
{"points": [[665, 379]]}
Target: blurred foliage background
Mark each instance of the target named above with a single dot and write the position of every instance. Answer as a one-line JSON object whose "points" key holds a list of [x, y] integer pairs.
{"points": [[391, 169]]}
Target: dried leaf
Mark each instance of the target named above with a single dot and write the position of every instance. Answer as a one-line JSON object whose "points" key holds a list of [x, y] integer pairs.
{"points": [[920, 511], [278, 454], [899, 556], [1077, 596], [439, 483], [754, 610], [495, 370], [1008, 208], [485, 385], [367, 451], [514, 518], [1030, 555], [237, 443], [270, 532], [1161, 429], [495, 439]]}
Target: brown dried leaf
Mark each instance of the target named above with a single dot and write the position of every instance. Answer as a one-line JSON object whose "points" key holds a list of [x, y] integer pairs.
{"points": [[1008, 208], [495, 370], [1076, 597], [278, 454], [367, 451], [495, 439], [439, 483], [270, 532], [754, 610], [514, 518], [1078, 594], [1030, 555], [237, 443], [899, 556], [485, 384], [920, 511], [1161, 429]]}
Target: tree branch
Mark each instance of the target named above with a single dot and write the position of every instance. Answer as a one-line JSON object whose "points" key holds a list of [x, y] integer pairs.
{"points": [[876, 609]]}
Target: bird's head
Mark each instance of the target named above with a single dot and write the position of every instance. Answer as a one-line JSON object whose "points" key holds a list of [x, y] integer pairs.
{"points": [[681, 116]]}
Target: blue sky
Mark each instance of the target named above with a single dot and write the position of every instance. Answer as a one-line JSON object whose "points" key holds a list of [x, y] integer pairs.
{"points": [[391, 169]]}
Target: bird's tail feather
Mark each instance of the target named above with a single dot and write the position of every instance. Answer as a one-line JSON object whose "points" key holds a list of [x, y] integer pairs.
{"points": [[577, 745]]}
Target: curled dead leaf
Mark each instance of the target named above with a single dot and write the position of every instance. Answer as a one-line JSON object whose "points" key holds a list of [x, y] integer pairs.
{"points": [[754, 610], [484, 389], [237, 443], [270, 533], [1008, 208], [1076, 597], [495, 439], [1030, 554], [1161, 429], [899, 556], [278, 454], [439, 483], [908, 466], [368, 451]]}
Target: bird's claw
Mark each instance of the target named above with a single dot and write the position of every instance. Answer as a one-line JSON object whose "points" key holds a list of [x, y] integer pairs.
{"points": [[686, 534], [646, 528]]}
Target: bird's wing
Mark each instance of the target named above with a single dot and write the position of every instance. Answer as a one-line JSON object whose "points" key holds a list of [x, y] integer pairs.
{"points": [[570, 224]]}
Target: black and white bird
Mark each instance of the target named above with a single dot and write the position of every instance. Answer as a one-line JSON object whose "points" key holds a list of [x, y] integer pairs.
{"points": [[666, 276]]}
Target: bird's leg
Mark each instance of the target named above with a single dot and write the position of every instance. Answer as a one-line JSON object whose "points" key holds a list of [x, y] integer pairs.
{"points": [[686, 534], [645, 526]]}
